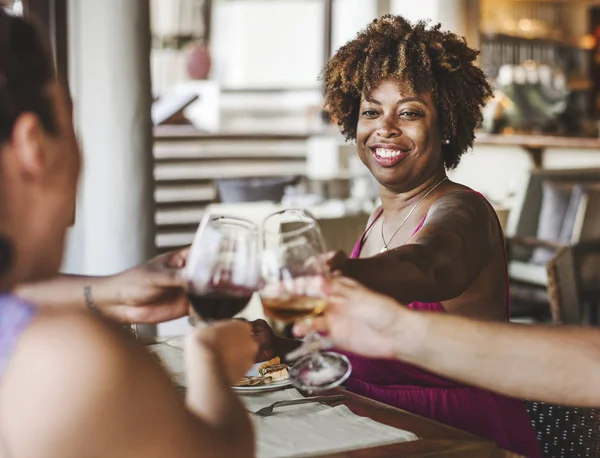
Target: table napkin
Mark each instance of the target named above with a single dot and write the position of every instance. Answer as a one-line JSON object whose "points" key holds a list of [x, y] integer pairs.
{"points": [[314, 429]]}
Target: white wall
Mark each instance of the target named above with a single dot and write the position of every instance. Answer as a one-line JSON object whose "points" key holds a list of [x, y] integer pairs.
{"points": [[266, 44], [450, 13], [497, 172], [262, 43], [110, 81], [500, 171], [349, 18]]}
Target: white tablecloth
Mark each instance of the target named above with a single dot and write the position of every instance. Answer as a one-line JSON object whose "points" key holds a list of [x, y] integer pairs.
{"points": [[314, 429], [295, 431]]}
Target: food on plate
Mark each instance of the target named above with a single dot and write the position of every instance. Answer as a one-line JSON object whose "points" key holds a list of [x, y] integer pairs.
{"points": [[269, 372], [254, 381], [274, 369], [272, 362]]}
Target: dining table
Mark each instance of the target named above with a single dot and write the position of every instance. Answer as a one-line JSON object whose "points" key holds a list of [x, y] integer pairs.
{"points": [[434, 439], [418, 437]]}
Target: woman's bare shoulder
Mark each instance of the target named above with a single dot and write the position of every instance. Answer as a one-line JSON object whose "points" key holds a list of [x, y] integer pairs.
{"points": [[60, 351], [461, 198], [465, 213], [58, 341], [67, 371], [62, 339]]}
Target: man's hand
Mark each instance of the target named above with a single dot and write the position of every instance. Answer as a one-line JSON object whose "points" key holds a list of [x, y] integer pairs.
{"points": [[149, 293], [357, 319], [233, 343]]}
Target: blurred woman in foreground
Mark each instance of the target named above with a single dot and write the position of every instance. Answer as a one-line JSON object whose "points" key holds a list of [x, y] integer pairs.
{"points": [[70, 384]]}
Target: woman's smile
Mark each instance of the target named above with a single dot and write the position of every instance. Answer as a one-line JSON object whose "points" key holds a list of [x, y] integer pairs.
{"points": [[388, 155]]}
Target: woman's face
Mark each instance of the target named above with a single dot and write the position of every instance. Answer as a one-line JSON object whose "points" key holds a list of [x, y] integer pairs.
{"points": [[398, 136]]}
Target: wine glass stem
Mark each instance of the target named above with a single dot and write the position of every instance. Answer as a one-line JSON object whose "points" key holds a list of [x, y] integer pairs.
{"points": [[313, 344]]}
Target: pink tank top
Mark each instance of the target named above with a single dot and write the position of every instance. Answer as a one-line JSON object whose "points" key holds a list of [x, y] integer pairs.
{"points": [[410, 388]]}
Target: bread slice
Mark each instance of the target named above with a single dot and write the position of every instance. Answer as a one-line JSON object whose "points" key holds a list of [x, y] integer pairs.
{"points": [[273, 362], [276, 372]]}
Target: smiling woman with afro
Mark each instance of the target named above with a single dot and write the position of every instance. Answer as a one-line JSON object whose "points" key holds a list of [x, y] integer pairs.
{"points": [[410, 96], [425, 60]]}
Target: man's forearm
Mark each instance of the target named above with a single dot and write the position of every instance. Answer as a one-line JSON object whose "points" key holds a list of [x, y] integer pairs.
{"points": [[74, 291], [547, 363]]}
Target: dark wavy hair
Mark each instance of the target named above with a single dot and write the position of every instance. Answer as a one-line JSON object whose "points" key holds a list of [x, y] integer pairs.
{"points": [[26, 69], [421, 58]]}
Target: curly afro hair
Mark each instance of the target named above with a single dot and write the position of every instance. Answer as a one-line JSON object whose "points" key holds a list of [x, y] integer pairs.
{"points": [[421, 58]]}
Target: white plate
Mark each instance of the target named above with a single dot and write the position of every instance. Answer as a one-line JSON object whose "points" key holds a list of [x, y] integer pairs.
{"points": [[253, 372]]}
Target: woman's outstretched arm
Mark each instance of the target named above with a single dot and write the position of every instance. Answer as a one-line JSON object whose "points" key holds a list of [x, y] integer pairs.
{"points": [[442, 259]]}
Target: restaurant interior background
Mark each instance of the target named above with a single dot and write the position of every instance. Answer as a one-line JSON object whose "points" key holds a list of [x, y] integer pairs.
{"points": [[188, 106]]}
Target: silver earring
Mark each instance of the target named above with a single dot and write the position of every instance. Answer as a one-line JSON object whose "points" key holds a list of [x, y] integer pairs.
{"points": [[447, 141]]}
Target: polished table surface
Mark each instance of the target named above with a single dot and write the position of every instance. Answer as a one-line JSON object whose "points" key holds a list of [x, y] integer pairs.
{"points": [[435, 439]]}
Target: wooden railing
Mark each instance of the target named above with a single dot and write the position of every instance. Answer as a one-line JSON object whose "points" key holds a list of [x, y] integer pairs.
{"points": [[187, 163]]}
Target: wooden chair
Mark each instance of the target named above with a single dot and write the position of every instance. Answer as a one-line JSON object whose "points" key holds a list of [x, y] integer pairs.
{"points": [[561, 291], [566, 432], [531, 257]]}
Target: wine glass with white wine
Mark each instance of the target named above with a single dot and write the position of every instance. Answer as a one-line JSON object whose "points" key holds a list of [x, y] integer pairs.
{"points": [[293, 269]]}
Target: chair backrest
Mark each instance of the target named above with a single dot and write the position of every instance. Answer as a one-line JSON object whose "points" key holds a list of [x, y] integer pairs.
{"points": [[587, 229], [566, 432], [587, 223], [524, 216], [563, 291], [342, 233]]}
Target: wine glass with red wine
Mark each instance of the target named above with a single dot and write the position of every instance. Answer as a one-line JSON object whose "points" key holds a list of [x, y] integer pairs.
{"points": [[293, 269], [222, 271]]}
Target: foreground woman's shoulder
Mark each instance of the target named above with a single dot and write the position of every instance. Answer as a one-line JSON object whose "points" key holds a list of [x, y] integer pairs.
{"points": [[65, 349], [66, 370]]}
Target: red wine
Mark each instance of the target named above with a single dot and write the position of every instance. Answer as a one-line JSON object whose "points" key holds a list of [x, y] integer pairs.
{"points": [[220, 304]]}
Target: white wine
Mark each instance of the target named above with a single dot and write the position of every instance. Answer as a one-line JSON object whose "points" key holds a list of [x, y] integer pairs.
{"points": [[293, 308]]}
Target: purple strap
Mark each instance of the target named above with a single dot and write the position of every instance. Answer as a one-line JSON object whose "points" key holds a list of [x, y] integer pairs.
{"points": [[15, 316]]}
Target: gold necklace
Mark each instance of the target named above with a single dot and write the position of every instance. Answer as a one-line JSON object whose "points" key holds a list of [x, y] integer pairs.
{"points": [[384, 248]]}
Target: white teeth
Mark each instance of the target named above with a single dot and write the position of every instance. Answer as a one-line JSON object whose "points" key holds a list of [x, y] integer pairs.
{"points": [[386, 153]]}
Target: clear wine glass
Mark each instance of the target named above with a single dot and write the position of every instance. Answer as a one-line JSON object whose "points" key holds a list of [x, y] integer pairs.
{"points": [[222, 270], [293, 269]]}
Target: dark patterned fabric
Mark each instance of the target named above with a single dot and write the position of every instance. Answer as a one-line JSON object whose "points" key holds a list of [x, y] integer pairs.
{"points": [[566, 432]]}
